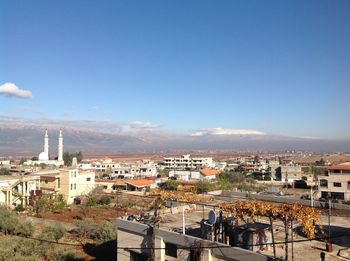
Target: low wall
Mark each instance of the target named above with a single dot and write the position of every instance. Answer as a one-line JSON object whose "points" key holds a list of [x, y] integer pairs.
{"points": [[287, 200]]}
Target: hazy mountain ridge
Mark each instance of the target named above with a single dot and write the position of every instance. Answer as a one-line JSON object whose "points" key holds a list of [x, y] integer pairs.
{"points": [[22, 137]]}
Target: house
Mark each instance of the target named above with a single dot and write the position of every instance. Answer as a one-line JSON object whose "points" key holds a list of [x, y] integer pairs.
{"points": [[336, 182], [111, 185], [184, 174], [139, 184], [70, 182], [17, 190], [209, 174]]}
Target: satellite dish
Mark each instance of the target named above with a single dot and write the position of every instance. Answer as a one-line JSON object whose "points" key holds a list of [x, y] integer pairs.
{"points": [[212, 217]]}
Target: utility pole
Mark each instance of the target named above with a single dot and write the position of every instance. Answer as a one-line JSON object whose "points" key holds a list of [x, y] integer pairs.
{"points": [[157, 203], [329, 247]]}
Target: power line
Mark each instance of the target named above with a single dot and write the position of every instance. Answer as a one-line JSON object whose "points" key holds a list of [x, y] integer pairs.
{"points": [[182, 247]]}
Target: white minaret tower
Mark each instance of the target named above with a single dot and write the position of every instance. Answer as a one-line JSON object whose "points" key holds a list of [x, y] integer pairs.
{"points": [[46, 144], [60, 146]]}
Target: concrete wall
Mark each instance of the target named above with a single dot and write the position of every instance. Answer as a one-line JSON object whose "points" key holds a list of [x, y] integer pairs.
{"points": [[137, 235], [286, 200]]}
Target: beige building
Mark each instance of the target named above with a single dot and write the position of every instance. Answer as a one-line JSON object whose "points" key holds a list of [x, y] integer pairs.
{"points": [[17, 190], [336, 183], [70, 182]]}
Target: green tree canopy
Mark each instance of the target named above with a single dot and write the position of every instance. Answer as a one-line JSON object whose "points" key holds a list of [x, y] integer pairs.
{"points": [[68, 157], [4, 171]]}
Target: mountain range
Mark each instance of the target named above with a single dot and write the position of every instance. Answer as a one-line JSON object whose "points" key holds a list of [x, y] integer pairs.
{"points": [[24, 137]]}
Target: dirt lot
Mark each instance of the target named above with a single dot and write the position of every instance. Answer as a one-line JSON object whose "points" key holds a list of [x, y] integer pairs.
{"points": [[98, 214]]}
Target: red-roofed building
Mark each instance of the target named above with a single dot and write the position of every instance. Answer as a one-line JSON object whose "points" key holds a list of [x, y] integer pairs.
{"points": [[209, 174], [336, 183], [139, 184]]}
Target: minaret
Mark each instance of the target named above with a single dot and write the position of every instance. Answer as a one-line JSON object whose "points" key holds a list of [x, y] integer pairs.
{"points": [[46, 144], [60, 146]]}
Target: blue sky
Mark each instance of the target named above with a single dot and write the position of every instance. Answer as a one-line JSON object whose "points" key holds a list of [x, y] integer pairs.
{"points": [[281, 67]]}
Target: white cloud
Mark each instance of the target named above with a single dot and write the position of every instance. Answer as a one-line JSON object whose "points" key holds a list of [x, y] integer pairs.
{"points": [[144, 125], [221, 131], [11, 90]]}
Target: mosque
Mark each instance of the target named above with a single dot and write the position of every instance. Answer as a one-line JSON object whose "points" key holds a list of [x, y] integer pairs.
{"points": [[44, 156]]}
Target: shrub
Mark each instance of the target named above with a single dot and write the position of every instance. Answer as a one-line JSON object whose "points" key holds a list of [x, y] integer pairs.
{"points": [[104, 200], [8, 221], [53, 232], [19, 208], [91, 202], [170, 185], [205, 186], [67, 255], [24, 228], [85, 228], [105, 231]]}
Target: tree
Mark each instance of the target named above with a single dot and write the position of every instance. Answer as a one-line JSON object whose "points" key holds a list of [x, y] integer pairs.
{"points": [[4, 171], [170, 185], [204, 186], [256, 159], [34, 158], [22, 161], [68, 157], [55, 205]]}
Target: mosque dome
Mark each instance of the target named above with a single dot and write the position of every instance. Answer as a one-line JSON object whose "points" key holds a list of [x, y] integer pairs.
{"points": [[43, 156]]}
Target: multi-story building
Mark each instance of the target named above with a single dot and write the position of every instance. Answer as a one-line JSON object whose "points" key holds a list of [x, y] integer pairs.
{"points": [[144, 169], [336, 182], [17, 190], [70, 182], [285, 172], [186, 162]]}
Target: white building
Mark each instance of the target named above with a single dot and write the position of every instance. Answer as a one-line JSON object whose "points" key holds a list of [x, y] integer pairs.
{"points": [[44, 158], [186, 175], [186, 162], [17, 190], [144, 169]]}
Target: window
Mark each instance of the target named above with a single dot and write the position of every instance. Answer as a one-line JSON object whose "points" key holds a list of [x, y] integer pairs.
{"points": [[71, 186], [323, 183], [46, 181], [348, 184], [105, 187], [337, 184], [58, 183], [75, 186], [337, 195], [88, 179], [170, 250]]}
